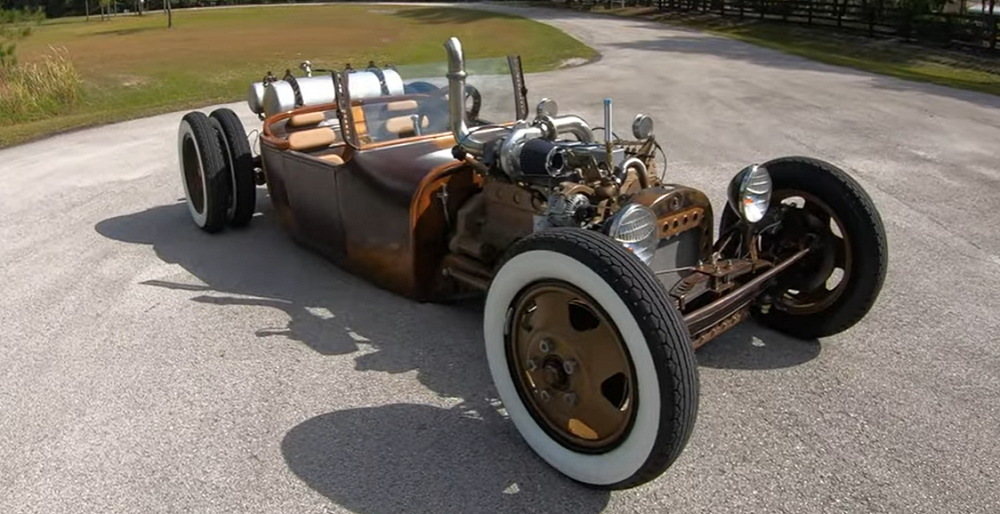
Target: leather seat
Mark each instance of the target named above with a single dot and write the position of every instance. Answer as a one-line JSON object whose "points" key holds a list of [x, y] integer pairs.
{"points": [[309, 119], [306, 140], [332, 159], [309, 141]]}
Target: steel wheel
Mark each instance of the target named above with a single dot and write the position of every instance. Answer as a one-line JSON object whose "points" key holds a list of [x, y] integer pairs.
{"points": [[572, 366], [838, 282], [820, 279], [591, 360]]}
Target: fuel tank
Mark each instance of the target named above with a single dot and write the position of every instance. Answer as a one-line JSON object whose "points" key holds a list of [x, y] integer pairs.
{"points": [[280, 95]]}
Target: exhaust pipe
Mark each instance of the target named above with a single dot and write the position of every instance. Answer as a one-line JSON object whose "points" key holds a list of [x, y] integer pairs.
{"points": [[456, 98]]}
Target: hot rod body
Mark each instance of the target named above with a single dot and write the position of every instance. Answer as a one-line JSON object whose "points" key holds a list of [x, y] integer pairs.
{"points": [[601, 276]]}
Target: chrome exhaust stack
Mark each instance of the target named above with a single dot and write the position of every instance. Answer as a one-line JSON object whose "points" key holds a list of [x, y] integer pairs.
{"points": [[456, 98]]}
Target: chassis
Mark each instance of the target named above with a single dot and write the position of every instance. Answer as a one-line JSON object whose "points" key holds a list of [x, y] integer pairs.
{"points": [[601, 278]]}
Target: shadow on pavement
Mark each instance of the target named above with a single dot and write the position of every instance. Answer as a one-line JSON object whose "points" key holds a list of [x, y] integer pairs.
{"points": [[682, 39], [720, 47], [450, 15], [422, 459], [752, 346], [392, 458]]}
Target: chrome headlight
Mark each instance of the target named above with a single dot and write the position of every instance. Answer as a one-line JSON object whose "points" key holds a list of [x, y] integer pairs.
{"points": [[635, 227], [750, 193]]}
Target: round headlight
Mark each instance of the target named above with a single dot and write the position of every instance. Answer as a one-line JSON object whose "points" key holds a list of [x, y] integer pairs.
{"points": [[635, 227], [750, 193]]}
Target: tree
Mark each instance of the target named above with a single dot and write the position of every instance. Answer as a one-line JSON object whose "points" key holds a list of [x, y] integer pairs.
{"points": [[16, 25]]}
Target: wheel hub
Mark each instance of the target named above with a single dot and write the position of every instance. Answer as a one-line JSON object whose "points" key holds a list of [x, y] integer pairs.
{"points": [[555, 374], [820, 278], [571, 367]]}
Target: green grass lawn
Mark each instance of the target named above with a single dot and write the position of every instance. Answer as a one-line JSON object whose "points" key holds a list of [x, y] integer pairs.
{"points": [[912, 62], [134, 66]]}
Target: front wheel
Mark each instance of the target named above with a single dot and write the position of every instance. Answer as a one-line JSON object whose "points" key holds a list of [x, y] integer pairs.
{"points": [[592, 362], [837, 283]]}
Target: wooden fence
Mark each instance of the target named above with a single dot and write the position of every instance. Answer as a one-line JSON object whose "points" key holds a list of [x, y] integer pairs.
{"points": [[874, 17]]}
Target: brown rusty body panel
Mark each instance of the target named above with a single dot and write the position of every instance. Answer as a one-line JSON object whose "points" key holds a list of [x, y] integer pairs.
{"points": [[380, 214], [679, 209], [303, 190], [377, 194]]}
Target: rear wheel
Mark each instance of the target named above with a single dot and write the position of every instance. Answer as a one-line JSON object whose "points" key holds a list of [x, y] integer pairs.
{"points": [[203, 172], [239, 162], [592, 362]]}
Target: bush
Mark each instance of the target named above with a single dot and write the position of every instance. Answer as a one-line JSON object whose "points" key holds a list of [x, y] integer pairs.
{"points": [[36, 90], [14, 26]]}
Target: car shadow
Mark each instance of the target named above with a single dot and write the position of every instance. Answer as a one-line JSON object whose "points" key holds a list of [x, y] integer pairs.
{"points": [[750, 346], [400, 457], [419, 458]]}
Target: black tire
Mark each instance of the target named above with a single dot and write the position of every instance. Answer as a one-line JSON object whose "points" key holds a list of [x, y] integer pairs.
{"points": [[650, 329], [239, 161], [203, 172], [863, 230]]}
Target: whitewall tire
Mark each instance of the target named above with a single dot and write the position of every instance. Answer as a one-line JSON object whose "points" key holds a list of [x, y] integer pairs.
{"points": [[656, 354], [203, 171], [239, 165]]}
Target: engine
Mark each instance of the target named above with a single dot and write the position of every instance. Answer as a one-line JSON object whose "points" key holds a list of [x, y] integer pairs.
{"points": [[572, 179]]}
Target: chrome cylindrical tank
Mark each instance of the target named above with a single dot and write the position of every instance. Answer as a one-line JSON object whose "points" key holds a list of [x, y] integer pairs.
{"points": [[280, 95], [255, 97]]}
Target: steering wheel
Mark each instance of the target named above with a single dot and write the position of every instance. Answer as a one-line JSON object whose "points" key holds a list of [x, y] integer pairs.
{"points": [[437, 102]]}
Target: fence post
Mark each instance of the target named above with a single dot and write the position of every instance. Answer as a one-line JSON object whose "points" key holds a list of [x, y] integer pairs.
{"points": [[996, 28], [870, 11], [760, 8], [741, 8], [809, 13], [840, 12]]}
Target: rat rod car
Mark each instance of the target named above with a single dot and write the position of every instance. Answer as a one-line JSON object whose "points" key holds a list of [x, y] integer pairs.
{"points": [[600, 277]]}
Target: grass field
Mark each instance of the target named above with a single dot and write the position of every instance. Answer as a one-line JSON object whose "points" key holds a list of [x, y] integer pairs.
{"points": [[911, 62], [134, 66]]}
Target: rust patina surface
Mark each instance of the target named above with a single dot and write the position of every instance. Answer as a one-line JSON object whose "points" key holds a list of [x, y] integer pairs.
{"points": [[382, 213]]}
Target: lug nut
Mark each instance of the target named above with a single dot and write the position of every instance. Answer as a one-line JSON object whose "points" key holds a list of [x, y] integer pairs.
{"points": [[545, 346], [569, 367], [531, 365], [544, 396], [570, 398]]}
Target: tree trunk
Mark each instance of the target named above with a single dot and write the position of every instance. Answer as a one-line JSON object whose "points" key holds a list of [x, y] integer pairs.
{"points": [[86, 7], [170, 14]]}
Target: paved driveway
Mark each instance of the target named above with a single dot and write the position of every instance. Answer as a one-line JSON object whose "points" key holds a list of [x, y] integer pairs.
{"points": [[147, 367]]}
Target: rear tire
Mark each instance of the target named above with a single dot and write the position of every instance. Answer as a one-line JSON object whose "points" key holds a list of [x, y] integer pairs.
{"points": [[239, 161], [626, 302], [203, 172]]}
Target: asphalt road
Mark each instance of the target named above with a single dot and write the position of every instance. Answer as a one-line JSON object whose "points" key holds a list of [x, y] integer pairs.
{"points": [[147, 367]]}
